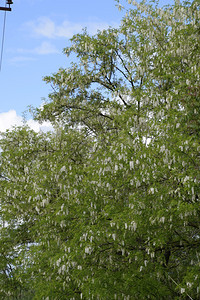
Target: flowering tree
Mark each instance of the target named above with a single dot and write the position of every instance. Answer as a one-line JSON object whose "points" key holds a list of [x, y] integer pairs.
{"points": [[107, 205]]}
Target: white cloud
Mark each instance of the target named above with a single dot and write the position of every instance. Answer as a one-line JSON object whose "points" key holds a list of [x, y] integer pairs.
{"points": [[46, 48], [42, 27], [45, 27], [43, 49], [19, 59], [10, 119], [27, 55]]}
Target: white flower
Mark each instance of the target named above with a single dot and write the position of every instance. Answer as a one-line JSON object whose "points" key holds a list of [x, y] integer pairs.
{"points": [[187, 82], [63, 169], [63, 268], [58, 262], [162, 220], [162, 148], [151, 191], [192, 190], [131, 163], [114, 236], [133, 225], [182, 290], [88, 250]]}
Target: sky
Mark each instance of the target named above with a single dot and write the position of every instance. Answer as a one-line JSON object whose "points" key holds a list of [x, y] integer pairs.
{"points": [[35, 35]]}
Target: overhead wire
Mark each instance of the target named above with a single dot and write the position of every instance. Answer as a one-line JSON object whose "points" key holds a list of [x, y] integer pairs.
{"points": [[3, 38]]}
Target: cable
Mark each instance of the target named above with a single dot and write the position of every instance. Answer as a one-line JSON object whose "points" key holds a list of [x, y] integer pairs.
{"points": [[2, 44]]}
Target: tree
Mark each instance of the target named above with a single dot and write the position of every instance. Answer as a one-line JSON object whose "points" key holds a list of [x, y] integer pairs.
{"points": [[107, 205]]}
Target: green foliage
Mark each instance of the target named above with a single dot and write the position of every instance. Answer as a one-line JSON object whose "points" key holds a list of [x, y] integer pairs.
{"points": [[107, 205]]}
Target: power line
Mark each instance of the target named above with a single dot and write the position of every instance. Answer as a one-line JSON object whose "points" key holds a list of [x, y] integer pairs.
{"points": [[9, 2], [3, 37]]}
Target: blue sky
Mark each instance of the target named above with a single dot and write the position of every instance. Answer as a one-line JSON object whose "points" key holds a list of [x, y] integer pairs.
{"points": [[36, 33]]}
